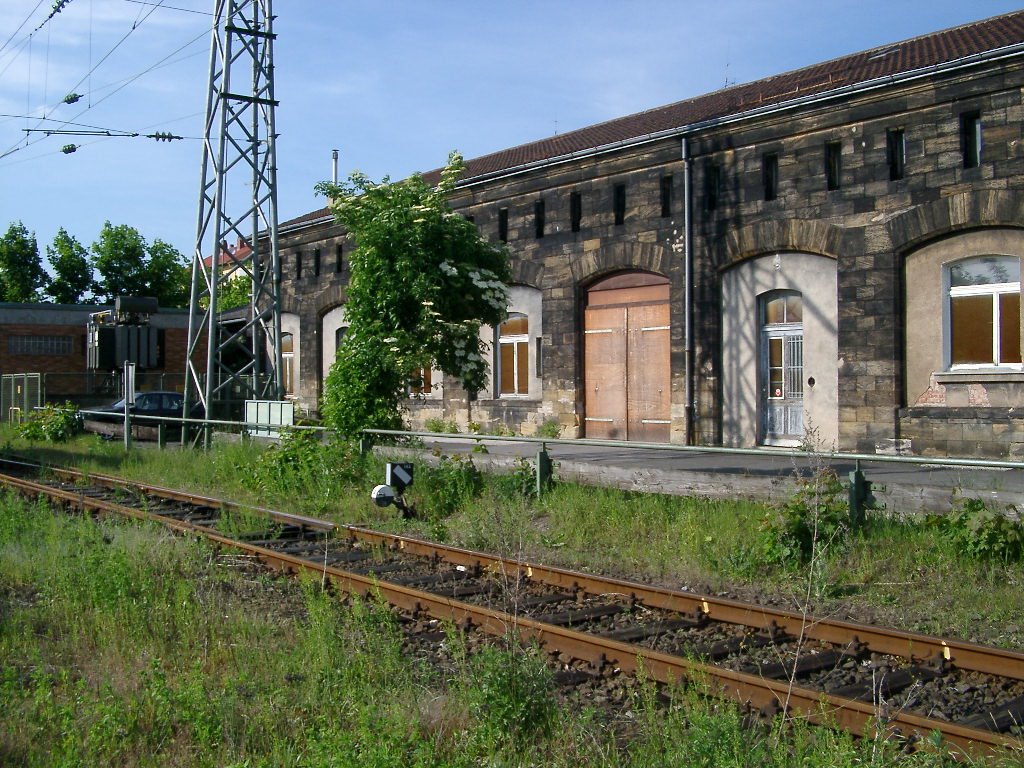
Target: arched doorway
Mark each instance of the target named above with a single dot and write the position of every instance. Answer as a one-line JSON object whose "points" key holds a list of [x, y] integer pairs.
{"points": [[626, 354]]}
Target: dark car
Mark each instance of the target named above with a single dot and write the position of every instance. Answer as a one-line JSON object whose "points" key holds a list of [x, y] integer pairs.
{"points": [[108, 420], [166, 404]]}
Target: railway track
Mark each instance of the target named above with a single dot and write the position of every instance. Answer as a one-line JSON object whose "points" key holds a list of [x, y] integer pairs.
{"points": [[859, 677]]}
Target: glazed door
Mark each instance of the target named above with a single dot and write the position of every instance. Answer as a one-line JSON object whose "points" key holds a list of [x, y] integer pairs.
{"points": [[782, 387]]}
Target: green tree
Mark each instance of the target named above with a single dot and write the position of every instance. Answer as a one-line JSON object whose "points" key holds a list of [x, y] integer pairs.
{"points": [[129, 266], [235, 292], [119, 257], [168, 275], [72, 273], [21, 270], [422, 283]]}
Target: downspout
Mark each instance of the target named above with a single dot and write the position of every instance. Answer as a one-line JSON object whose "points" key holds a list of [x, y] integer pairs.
{"points": [[688, 293]]}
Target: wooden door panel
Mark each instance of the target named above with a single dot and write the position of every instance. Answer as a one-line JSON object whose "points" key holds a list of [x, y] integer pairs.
{"points": [[605, 373], [649, 401]]}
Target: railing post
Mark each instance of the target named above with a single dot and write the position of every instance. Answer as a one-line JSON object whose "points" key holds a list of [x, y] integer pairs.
{"points": [[543, 469], [860, 490]]}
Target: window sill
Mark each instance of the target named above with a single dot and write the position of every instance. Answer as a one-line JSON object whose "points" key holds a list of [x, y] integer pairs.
{"points": [[971, 375]]}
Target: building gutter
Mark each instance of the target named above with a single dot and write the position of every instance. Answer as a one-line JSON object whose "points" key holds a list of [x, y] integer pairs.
{"points": [[865, 86], [688, 416]]}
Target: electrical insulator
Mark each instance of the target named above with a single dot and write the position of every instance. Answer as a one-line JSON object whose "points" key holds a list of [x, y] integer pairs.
{"points": [[67, 149], [71, 98]]}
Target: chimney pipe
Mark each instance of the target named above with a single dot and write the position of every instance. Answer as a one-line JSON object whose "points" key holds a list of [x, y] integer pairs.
{"points": [[334, 166]]}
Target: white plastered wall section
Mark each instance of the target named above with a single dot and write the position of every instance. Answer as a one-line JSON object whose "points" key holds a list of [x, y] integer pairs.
{"points": [[524, 300], [743, 285], [329, 325]]}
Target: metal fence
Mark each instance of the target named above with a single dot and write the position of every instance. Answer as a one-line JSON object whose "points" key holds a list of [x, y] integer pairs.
{"points": [[20, 394]]}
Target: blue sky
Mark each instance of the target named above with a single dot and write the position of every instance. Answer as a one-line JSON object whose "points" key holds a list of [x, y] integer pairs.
{"points": [[393, 84]]}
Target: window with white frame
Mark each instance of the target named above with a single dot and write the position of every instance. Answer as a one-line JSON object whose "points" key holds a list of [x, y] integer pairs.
{"points": [[514, 356], [984, 312], [288, 363]]}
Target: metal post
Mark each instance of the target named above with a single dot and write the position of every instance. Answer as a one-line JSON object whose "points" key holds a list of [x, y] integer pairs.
{"points": [[860, 491], [543, 470], [129, 401], [227, 362]]}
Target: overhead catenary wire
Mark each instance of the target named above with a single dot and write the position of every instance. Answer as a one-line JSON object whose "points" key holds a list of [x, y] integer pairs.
{"points": [[165, 61]]}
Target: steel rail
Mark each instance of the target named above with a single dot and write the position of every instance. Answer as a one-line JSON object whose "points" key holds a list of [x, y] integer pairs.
{"points": [[908, 645], [768, 695]]}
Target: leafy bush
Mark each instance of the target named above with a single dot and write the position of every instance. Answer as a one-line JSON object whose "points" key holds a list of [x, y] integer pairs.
{"points": [[301, 463], [520, 483], [550, 428], [511, 694], [814, 521], [53, 423], [450, 485], [979, 532], [446, 426]]}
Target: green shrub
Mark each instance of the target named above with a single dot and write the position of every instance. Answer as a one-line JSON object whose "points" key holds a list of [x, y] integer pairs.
{"points": [[53, 423], [301, 463], [979, 532], [550, 428], [511, 694], [450, 485], [445, 426], [815, 521], [520, 483]]}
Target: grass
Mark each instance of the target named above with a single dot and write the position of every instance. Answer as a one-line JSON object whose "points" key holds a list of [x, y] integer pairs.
{"points": [[123, 644], [898, 571]]}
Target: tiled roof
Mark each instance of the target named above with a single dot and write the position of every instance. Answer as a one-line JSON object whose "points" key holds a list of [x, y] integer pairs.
{"points": [[908, 56]]}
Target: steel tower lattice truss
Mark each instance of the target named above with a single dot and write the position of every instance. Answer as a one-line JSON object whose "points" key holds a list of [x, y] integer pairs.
{"points": [[237, 202]]}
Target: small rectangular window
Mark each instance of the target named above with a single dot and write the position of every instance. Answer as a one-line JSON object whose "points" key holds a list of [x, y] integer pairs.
{"points": [[833, 164], [619, 204], [503, 224], [770, 175], [712, 186], [298, 265], [666, 196], [538, 219], [896, 153], [338, 262], [970, 138], [575, 211], [39, 345], [316, 262]]}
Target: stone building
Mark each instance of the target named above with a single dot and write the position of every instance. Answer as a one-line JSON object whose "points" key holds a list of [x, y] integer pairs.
{"points": [[830, 256]]}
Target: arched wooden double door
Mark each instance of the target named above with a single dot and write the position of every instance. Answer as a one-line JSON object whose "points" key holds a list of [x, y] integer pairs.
{"points": [[626, 358]]}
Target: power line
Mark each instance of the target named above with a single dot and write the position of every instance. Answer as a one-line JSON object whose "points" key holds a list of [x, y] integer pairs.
{"points": [[20, 26], [166, 60]]}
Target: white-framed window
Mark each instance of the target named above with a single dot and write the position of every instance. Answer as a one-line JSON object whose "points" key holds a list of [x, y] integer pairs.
{"points": [[983, 312], [288, 363], [513, 358]]}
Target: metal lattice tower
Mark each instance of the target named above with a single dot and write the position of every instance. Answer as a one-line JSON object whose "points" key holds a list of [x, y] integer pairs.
{"points": [[237, 202]]}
